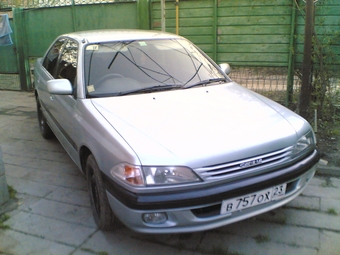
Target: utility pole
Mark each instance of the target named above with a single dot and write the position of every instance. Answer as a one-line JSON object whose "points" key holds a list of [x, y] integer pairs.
{"points": [[306, 86]]}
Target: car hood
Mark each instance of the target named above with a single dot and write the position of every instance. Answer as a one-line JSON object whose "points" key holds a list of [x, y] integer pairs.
{"points": [[200, 126]]}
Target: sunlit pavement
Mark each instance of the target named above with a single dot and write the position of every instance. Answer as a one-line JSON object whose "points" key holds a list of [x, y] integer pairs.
{"points": [[52, 214]]}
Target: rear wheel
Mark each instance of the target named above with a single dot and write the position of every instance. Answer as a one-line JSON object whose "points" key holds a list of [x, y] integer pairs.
{"points": [[45, 129], [101, 209]]}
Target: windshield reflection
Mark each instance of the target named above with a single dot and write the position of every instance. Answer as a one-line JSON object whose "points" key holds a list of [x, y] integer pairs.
{"points": [[118, 67]]}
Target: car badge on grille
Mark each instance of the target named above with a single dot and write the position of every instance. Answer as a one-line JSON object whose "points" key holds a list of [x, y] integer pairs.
{"points": [[251, 163]]}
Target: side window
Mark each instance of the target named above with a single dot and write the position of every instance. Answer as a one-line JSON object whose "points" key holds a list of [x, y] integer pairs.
{"points": [[67, 65], [51, 59]]}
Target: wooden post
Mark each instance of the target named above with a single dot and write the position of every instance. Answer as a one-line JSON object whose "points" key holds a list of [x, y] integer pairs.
{"points": [[306, 86], [143, 11], [163, 15], [21, 46], [291, 58]]}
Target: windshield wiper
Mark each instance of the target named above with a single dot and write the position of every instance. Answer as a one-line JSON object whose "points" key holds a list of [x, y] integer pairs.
{"points": [[149, 89], [205, 82]]}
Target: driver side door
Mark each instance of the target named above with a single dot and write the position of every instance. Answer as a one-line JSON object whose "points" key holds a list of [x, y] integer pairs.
{"points": [[63, 108]]}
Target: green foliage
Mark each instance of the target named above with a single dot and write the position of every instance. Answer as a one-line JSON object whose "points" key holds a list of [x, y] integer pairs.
{"points": [[326, 82], [261, 238], [221, 251], [12, 192], [332, 211], [325, 77], [327, 183], [3, 218]]}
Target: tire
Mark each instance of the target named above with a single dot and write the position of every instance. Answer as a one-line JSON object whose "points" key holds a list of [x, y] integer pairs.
{"points": [[101, 209], [45, 129]]}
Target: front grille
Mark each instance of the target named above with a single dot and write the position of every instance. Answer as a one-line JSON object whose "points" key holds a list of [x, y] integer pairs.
{"points": [[244, 166]]}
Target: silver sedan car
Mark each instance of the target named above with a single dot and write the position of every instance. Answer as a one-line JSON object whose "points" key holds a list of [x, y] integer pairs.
{"points": [[167, 141]]}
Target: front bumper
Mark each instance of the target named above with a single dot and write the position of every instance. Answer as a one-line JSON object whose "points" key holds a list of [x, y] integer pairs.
{"points": [[199, 210]]}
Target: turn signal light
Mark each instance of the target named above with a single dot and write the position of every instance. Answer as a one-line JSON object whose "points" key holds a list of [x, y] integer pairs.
{"points": [[133, 175]]}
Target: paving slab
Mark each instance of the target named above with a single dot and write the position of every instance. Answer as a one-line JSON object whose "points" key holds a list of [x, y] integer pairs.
{"points": [[329, 243], [50, 228], [125, 242], [30, 187], [273, 232], [310, 219], [17, 171], [214, 243], [70, 196], [16, 243], [64, 212], [330, 205], [306, 202], [57, 179], [326, 189]]}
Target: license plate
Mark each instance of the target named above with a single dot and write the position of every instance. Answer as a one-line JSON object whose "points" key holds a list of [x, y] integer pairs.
{"points": [[254, 199]]}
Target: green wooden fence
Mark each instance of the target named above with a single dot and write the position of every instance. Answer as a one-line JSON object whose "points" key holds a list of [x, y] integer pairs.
{"points": [[250, 33], [8, 4], [246, 34]]}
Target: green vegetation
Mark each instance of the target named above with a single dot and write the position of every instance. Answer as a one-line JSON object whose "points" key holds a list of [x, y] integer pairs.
{"points": [[222, 251], [91, 251], [12, 192], [3, 218], [326, 83], [216, 250], [327, 184], [332, 211], [261, 238]]}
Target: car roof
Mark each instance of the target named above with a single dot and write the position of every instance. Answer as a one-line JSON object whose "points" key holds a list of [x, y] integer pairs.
{"points": [[107, 35]]}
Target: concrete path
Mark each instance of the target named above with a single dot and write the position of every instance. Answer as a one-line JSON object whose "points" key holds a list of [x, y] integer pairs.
{"points": [[53, 215]]}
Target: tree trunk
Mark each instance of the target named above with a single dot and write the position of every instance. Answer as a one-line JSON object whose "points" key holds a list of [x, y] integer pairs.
{"points": [[306, 86]]}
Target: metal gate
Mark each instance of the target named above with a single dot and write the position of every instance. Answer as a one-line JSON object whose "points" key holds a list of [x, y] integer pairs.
{"points": [[32, 39], [9, 77]]}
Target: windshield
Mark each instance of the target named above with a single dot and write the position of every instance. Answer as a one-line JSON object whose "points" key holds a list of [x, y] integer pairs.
{"points": [[117, 68]]}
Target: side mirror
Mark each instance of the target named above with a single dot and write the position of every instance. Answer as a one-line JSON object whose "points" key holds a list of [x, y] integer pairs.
{"points": [[59, 87], [225, 68]]}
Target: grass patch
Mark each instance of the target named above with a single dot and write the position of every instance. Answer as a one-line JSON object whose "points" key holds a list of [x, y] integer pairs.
{"points": [[12, 192], [3, 218], [261, 238], [332, 211], [216, 250], [327, 183], [92, 251]]}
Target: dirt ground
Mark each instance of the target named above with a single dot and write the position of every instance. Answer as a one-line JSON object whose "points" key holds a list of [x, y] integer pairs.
{"points": [[329, 148]]}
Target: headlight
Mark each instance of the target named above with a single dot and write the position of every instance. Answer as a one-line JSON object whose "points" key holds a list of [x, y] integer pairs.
{"points": [[304, 143], [154, 175], [166, 175]]}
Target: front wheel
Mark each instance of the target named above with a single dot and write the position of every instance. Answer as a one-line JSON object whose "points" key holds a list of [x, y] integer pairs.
{"points": [[101, 209], [45, 129]]}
